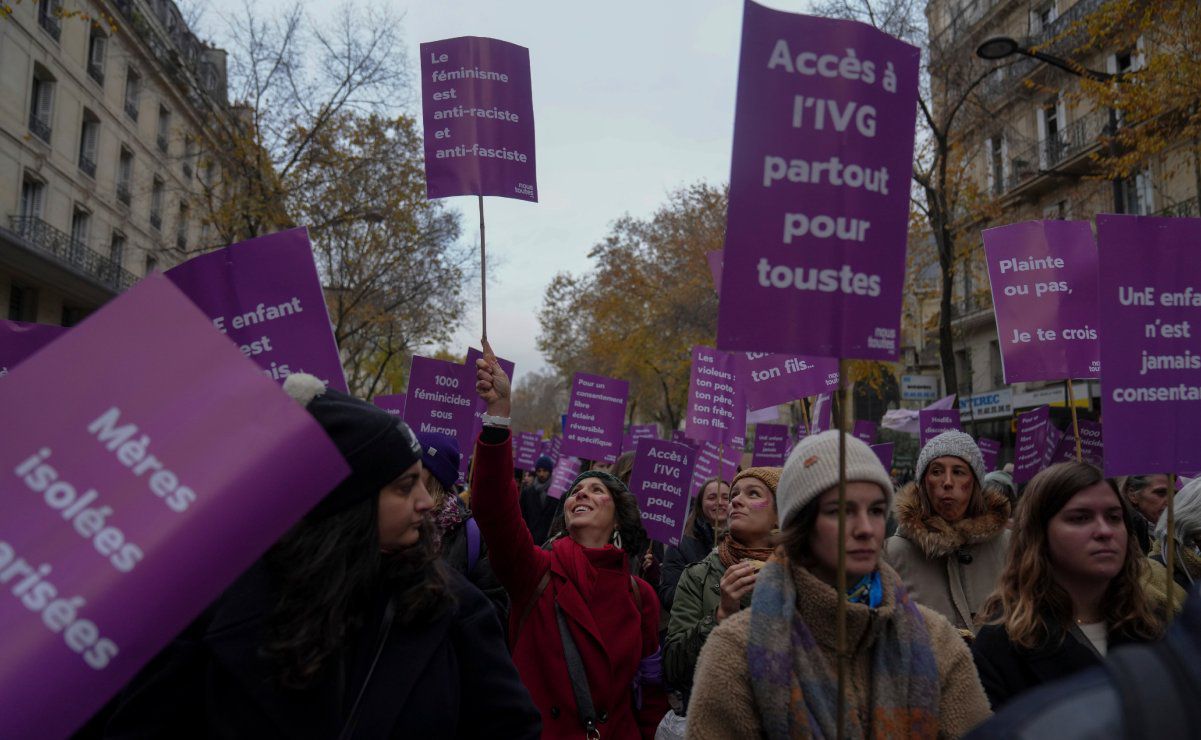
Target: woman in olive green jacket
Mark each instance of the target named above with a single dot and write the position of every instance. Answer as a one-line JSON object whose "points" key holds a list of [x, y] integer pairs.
{"points": [[722, 583]]}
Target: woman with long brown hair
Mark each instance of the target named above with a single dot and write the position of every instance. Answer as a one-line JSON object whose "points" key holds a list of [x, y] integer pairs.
{"points": [[1072, 586]]}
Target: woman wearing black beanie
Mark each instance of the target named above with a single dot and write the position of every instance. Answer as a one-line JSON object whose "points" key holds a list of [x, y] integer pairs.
{"points": [[349, 626]]}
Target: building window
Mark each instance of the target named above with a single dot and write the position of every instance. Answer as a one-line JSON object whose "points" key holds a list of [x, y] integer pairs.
{"points": [[41, 103], [181, 228], [994, 359], [156, 204], [133, 92], [72, 315], [50, 17], [1042, 17], [22, 302], [189, 157], [97, 45], [89, 137], [963, 371], [1052, 146], [1057, 211], [164, 128], [116, 248], [124, 175], [33, 196], [81, 225], [151, 264], [1137, 194], [996, 165]]}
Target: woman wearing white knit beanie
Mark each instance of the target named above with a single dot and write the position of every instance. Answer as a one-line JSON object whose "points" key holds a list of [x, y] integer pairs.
{"points": [[951, 533], [771, 670]]}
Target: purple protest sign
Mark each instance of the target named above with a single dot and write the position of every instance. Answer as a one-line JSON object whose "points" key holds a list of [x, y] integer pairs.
{"points": [[1054, 437], [478, 111], [1029, 455], [708, 466], [865, 431], [1044, 286], [393, 404], [661, 480], [644, 431], [933, 422], [716, 409], [19, 340], [525, 450], [714, 259], [441, 400], [771, 445], [677, 435], [595, 417], [819, 197], [990, 450], [126, 496], [555, 449], [884, 453], [544, 447], [1150, 319], [566, 469], [772, 379], [1091, 448], [265, 295]]}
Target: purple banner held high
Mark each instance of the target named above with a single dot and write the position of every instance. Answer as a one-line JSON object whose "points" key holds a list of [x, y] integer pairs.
{"points": [[819, 188], [566, 469], [1029, 455], [773, 379], [19, 340], [865, 430], [1091, 448], [525, 450], [990, 450], [1055, 436], [1044, 286], [393, 404], [708, 466], [884, 452], [595, 417], [933, 422], [716, 409], [661, 480], [771, 445], [478, 111], [478, 405], [265, 295], [1150, 287], [146, 464], [441, 399]]}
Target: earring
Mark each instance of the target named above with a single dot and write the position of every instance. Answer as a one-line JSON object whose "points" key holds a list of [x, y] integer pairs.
{"points": [[616, 539]]}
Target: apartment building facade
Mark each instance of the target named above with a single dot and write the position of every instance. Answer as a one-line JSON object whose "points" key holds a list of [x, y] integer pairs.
{"points": [[102, 129], [1029, 153]]}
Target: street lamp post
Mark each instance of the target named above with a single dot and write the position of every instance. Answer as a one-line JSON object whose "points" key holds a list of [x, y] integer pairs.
{"points": [[999, 47]]}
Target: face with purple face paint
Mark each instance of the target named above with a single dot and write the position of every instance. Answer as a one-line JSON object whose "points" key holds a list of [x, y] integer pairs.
{"points": [[752, 512]]}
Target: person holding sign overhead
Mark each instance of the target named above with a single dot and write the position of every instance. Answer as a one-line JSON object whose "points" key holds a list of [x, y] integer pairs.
{"points": [[770, 670], [349, 627], [583, 631], [721, 584]]}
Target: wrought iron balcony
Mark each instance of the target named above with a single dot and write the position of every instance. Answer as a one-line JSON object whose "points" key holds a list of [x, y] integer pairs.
{"points": [[72, 252], [123, 192], [96, 72], [40, 128], [88, 166], [1182, 209], [48, 21], [131, 109]]}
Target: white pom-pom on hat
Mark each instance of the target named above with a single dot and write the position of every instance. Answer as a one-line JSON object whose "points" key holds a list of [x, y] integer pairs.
{"points": [[303, 387]]}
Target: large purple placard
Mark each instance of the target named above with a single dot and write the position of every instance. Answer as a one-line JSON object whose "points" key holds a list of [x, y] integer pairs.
{"points": [[1150, 278], [265, 295], [771, 445], [19, 340], [772, 379], [595, 417], [865, 431], [708, 466], [1091, 447], [441, 400], [394, 404], [1044, 286], [478, 111], [133, 494], [933, 422], [566, 469], [819, 188], [525, 450], [990, 450], [661, 479], [1029, 455], [884, 453], [716, 409], [1055, 436]]}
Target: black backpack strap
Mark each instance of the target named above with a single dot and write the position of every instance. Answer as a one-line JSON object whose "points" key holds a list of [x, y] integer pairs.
{"points": [[1154, 690], [579, 679]]}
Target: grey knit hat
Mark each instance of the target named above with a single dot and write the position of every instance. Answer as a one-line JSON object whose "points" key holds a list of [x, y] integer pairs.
{"points": [[812, 469], [955, 444]]}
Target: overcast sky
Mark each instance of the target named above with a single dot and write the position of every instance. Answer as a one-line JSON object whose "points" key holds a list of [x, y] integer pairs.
{"points": [[631, 100]]}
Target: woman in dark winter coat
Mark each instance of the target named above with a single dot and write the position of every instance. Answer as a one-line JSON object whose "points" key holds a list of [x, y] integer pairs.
{"points": [[1148, 495], [950, 543], [349, 627], [576, 596], [709, 510], [1187, 570], [1072, 586], [459, 539]]}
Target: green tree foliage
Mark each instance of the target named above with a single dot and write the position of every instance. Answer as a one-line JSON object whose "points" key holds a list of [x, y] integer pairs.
{"points": [[647, 300]]}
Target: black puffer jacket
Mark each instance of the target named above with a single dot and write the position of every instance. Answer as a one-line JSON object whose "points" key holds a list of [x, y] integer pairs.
{"points": [[455, 553], [694, 547]]}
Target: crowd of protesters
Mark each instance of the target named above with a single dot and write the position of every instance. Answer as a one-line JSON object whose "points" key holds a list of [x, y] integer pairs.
{"points": [[397, 608]]}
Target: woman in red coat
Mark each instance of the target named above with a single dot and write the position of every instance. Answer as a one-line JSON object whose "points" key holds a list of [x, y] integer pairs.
{"points": [[582, 582]]}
